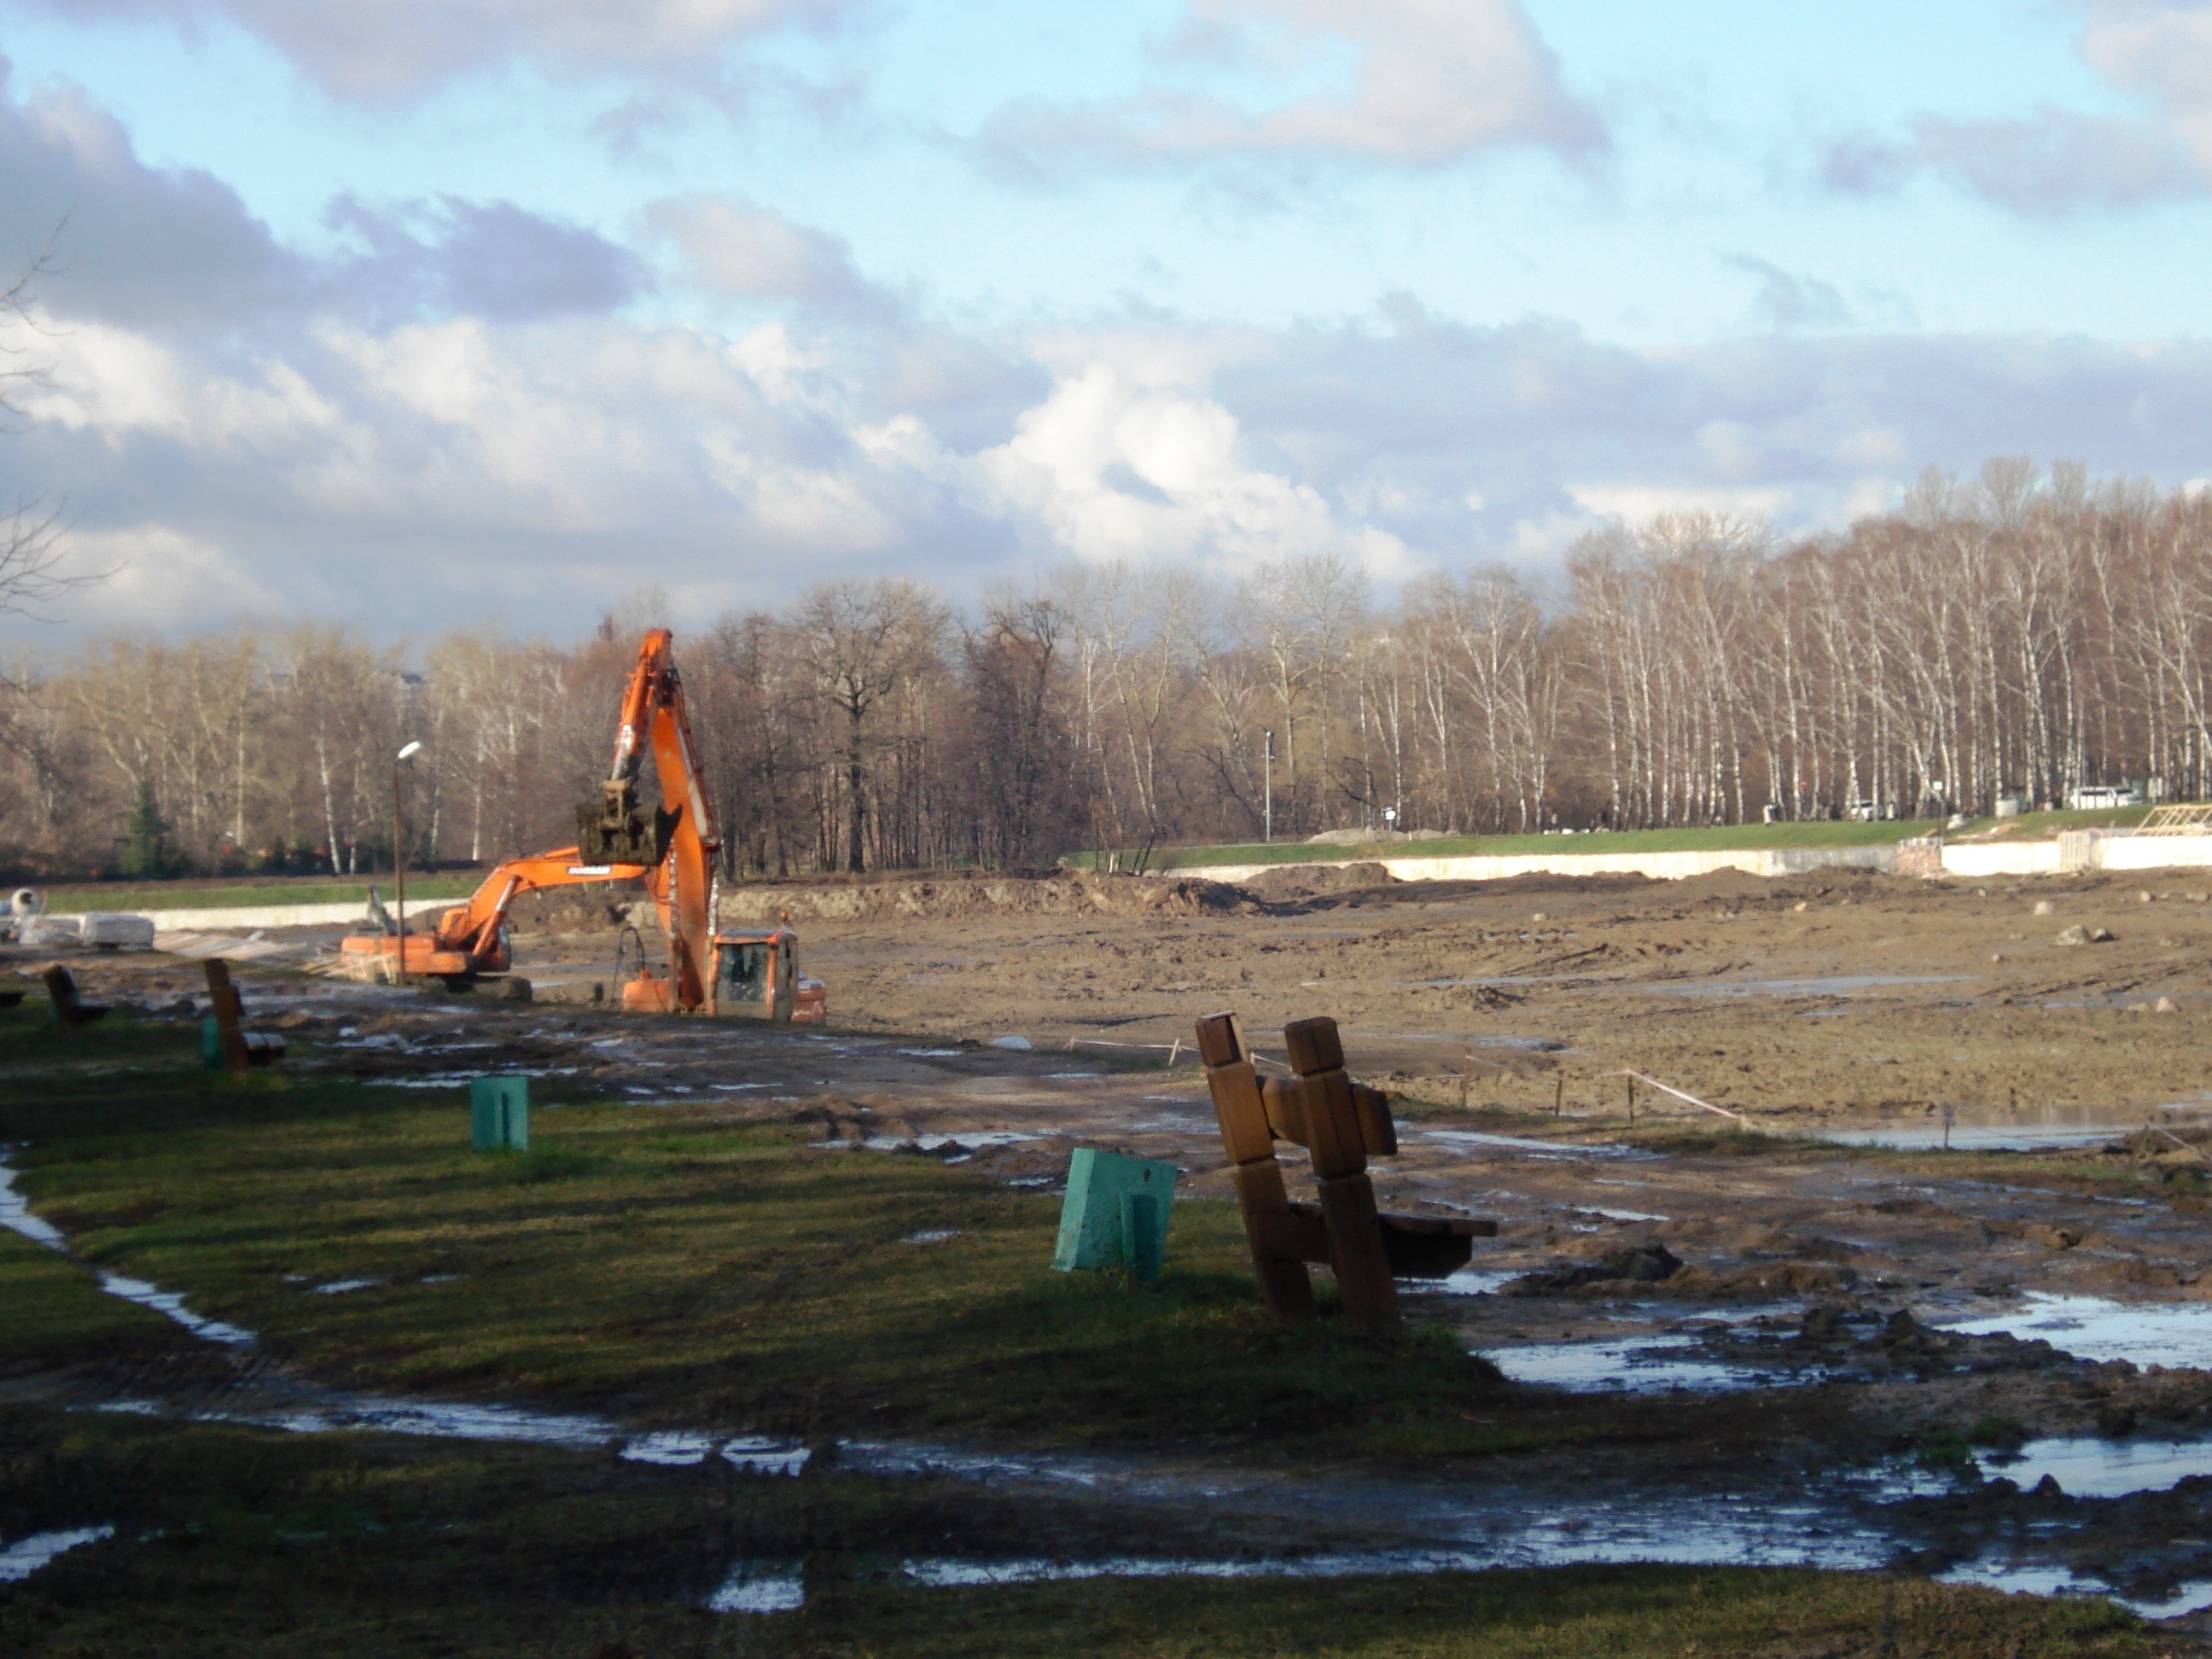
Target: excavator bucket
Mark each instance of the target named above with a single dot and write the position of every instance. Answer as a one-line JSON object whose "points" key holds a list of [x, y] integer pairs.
{"points": [[612, 830]]}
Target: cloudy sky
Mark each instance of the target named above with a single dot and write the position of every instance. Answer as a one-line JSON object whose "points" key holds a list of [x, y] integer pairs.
{"points": [[419, 312]]}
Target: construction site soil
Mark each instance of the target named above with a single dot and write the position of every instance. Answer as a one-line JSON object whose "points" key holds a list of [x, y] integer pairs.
{"points": [[1736, 1300]]}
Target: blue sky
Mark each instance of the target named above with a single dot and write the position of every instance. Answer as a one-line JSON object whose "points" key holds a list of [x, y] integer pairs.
{"points": [[381, 307]]}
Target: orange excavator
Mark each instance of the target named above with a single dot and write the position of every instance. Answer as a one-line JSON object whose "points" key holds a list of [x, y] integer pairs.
{"points": [[710, 971]]}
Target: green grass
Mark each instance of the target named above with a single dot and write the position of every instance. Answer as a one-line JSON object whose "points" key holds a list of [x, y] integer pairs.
{"points": [[668, 1266], [665, 1267], [1725, 837], [1628, 841], [232, 1541], [143, 896]]}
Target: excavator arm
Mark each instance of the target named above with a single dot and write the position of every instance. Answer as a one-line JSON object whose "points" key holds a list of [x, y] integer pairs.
{"points": [[673, 848], [680, 843], [471, 939]]}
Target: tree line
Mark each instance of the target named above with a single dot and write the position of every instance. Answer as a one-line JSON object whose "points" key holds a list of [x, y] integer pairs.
{"points": [[2012, 634]]}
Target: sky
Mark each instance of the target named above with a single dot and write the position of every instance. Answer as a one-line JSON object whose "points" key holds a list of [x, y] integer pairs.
{"points": [[419, 313]]}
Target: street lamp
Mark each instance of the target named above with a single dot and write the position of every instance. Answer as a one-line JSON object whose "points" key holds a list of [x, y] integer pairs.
{"points": [[399, 859]]}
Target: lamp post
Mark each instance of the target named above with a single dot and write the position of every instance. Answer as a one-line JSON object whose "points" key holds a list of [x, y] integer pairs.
{"points": [[1268, 762], [399, 858]]}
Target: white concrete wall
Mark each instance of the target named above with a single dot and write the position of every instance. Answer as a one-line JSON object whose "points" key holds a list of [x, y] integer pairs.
{"points": [[2040, 858], [2021, 858], [245, 918], [2153, 851]]}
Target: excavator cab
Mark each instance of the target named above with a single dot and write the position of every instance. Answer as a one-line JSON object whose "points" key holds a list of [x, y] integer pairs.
{"points": [[756, 975]]}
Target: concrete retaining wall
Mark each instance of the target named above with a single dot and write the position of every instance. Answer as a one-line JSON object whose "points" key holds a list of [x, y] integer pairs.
{"points": [[245, 918], [2048, 858]]}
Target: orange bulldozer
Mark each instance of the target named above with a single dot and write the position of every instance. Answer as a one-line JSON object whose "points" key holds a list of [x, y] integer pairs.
{"points": [[753, 975]]}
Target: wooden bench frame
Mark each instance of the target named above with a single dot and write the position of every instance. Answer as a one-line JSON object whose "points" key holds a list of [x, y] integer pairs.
{"points": [[237, 1049], [1342, 1124], [70, 1011]]}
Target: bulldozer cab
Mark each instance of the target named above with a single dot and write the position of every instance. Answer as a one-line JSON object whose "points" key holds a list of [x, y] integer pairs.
{"points": [[756, 975]]}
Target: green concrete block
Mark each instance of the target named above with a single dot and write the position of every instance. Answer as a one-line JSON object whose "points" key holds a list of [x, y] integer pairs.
{"points": [[1099, 1223], [499, 1113], [211, 1043]]}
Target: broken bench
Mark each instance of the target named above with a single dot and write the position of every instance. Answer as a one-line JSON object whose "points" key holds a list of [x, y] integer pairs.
{"points": [[1342, 1124]]}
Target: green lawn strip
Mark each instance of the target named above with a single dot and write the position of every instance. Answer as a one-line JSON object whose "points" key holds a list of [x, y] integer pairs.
{"points": [[233, 1541], [670, 1266], [143, 896], [1728, 837], [2040, 826], [1577, 1613]]}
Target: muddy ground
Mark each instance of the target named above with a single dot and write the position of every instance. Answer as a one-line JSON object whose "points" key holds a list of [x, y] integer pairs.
{"points": [[1823, 1004]]}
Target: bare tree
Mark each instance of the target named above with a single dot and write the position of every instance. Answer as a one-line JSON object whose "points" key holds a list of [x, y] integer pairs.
{"points": [[862, 640]]}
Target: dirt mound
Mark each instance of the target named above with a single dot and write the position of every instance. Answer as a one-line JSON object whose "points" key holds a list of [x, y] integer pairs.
{"points": [[1070, 894], [575, 909], [1298, 881]]}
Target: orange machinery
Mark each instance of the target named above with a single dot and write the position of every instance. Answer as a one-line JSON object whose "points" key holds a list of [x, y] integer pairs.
{"points": [[709, 971]]}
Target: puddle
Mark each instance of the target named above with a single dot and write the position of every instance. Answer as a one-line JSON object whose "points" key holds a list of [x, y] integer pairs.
{"points": [[1685, 1533], [462, 1080], [673, 1451], [761, 1587], [1618, 1215], [172, 1303], [1832, 984], [2041, 1578], [15, 1215], [2090, 1328], [1530, 1148], [1637, 1365], [2013, 1132], [966, 1143], [933, 1236], [340, 1286], [2092, 1467], [931, 1053], [19, 1561], [1469, 1282]]}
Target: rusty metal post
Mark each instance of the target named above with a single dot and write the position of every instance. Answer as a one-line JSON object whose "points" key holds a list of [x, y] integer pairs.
{"points": [[1340, 1163], [1250, 1145]]}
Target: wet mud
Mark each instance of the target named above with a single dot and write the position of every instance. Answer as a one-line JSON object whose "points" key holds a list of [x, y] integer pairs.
{"points": [[1992, 1361]]}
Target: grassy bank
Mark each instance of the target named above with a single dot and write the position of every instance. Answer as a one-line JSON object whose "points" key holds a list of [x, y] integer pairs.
{"points": [[144, 895], [669, 1265], [231, 1540]]}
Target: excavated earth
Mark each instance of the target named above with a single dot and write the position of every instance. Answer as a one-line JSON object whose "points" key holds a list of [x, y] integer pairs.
{"points": [[1803, 1282]]}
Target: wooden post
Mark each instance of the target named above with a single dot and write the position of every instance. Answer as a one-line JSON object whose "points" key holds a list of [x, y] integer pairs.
{"points": [[1245, 1137], [1631, 1100], [1466, 1070], [1340, 1163], [1559, 1096], [229, 1016]]}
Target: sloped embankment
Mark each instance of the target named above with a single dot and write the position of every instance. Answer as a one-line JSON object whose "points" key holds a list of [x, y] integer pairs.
{"points": [[936, 897]]}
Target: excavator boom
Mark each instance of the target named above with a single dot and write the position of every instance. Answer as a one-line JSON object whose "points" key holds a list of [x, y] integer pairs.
{"points": [[673, 850]]}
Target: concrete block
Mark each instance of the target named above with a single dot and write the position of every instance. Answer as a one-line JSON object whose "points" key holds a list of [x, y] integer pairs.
{"points": [[499, 1113], [1095, 1223], [115, 930]]}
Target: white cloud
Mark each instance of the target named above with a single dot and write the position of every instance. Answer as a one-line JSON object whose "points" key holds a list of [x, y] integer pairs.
{"points": [[151, 576], [1114, 467], [1435, 81], [1635, 501], [739, 248], [385, 49], [2155, 54]]}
